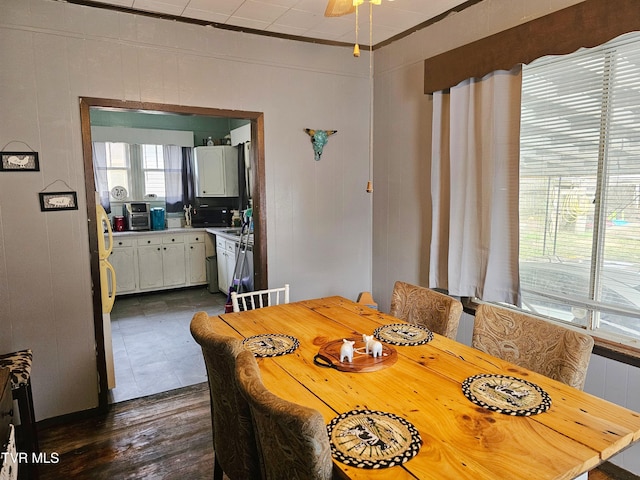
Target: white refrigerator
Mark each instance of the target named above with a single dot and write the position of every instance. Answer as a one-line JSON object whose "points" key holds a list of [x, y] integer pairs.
{"points": [[107, 286]]}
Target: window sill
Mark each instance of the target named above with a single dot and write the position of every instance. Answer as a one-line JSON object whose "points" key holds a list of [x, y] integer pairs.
{"points": [[616, 351]]}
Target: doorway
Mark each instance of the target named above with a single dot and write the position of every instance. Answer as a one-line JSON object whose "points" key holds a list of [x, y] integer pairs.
{"points": [[257, 179]]}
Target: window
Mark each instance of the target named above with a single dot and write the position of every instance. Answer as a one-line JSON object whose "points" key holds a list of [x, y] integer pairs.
{"points": [[580, 187], [138, 168]]}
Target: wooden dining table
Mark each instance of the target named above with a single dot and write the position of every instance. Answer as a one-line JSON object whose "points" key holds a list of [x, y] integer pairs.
{"points": [[459, 439]]}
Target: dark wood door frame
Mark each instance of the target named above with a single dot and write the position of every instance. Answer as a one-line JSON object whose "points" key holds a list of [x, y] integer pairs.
{"points": [[259, 205]]}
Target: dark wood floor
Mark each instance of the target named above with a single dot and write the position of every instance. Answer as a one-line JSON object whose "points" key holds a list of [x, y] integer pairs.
{"points": [[165, 436]]}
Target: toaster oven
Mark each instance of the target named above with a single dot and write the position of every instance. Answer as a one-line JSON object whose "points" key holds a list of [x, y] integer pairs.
{"points": [[137, 215]]}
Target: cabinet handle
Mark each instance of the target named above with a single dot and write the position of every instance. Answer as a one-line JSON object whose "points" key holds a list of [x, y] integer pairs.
{"points": [[173, 239], [119, 243], [158, 248], [191, 247], [165, 248], [148, 241], [7, 414], [197, 238]]}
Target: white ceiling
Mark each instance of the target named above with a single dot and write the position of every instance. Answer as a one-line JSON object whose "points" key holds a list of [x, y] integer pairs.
{"points": [[304, 18]]}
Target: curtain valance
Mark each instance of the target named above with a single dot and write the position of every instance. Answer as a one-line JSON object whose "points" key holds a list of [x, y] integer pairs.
{"points": [[585, 24]]}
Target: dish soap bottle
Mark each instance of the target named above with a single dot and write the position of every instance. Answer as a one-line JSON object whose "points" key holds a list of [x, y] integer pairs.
{"points": [[209, 142]]}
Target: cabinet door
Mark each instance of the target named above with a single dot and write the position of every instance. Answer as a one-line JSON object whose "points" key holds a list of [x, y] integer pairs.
{"points": [[197, 263], [150, 267], [230, 251], [173, 265], [122, 259], [223, 275], [210, 171]]}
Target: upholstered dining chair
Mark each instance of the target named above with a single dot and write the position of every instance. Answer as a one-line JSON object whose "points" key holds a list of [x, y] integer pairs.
{"points": [[292, 439], [234, 443], [259, 298], [436, 311], [534, 343]]}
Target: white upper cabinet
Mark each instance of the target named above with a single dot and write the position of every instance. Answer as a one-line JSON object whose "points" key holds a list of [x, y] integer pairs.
{"points": [[217, 171]]}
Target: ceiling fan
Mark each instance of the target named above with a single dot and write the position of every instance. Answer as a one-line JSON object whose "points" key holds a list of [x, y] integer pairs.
{"points": [[338, 8]]}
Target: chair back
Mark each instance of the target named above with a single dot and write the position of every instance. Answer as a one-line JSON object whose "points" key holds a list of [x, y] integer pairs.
{"points": [[292, 438], [436, 311], [234, 440], [259, 298], [534, 343]]}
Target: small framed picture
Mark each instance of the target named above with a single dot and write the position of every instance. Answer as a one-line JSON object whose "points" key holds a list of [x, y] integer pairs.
{"points": [[19, 162], [58, 201]]}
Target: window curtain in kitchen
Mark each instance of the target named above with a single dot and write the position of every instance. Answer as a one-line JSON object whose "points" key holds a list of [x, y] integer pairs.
{"points": [[474, 188], [188, 177], [99, 153], [173, 177], [242, 182]]}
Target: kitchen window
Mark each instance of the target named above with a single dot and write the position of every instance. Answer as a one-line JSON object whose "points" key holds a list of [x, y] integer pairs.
{"points": [[138, 168], [580, 188]]}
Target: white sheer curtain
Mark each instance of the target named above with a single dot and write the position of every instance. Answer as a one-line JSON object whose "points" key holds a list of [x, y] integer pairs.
{"points": [[99, 151], [474, 188]]}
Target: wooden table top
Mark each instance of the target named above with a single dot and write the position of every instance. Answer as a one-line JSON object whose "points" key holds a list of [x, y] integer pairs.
{"points": [[460, 440]]}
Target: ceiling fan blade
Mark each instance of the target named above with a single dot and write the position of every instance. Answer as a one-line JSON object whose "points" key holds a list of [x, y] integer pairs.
{"points": [[337, 8]]}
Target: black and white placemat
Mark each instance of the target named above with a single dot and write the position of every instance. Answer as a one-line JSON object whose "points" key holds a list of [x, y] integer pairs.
{"points": [[271, 344], [403, 334], [505, 394], [373, 439]]}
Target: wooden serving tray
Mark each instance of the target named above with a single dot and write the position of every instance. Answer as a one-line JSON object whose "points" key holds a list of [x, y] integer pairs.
{"points": [[329, 356]]}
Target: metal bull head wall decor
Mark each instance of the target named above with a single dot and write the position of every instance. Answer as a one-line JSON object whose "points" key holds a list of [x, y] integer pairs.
{"points": [[319, 139]]}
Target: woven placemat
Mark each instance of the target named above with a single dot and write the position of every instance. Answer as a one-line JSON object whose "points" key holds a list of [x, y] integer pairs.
{"points": [[505, 394], [372, 439], [271, 344], [403, 334]]}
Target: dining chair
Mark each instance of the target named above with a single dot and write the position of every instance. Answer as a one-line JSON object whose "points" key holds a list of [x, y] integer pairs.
{"points": [[259, 298], [534, 343], [292, 439], [19, 365], [234, 443], [423, 306]]}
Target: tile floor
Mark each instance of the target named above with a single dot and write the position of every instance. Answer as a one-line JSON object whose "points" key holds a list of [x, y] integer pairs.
{"points": [[152, 346]]}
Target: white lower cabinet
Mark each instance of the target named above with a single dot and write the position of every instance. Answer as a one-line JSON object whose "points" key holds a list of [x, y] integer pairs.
{"points": [[148, 262], [196, 259], [122, 259], [174, 266], [226, 253]]}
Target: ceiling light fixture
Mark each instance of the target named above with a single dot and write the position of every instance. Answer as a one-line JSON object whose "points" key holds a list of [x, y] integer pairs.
{"points": [[337, 8], [356, 53]]}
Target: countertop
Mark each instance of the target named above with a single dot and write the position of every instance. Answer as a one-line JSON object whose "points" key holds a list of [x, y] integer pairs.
{"points": [[230, 233], [170, 231]]}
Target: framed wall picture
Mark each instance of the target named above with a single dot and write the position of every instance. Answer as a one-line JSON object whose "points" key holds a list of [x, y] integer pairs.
{"points": [[19, 162], [50, 201]]}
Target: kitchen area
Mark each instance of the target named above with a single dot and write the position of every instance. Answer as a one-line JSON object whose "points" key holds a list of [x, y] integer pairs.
{"points": [[170, 259]]}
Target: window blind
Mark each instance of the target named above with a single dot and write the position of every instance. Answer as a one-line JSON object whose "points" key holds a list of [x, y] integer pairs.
{"points": [[580, 187]]}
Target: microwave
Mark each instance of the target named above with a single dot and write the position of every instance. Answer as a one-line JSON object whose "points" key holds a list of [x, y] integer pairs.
{"points": [[137, 215], [206, 216]]}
